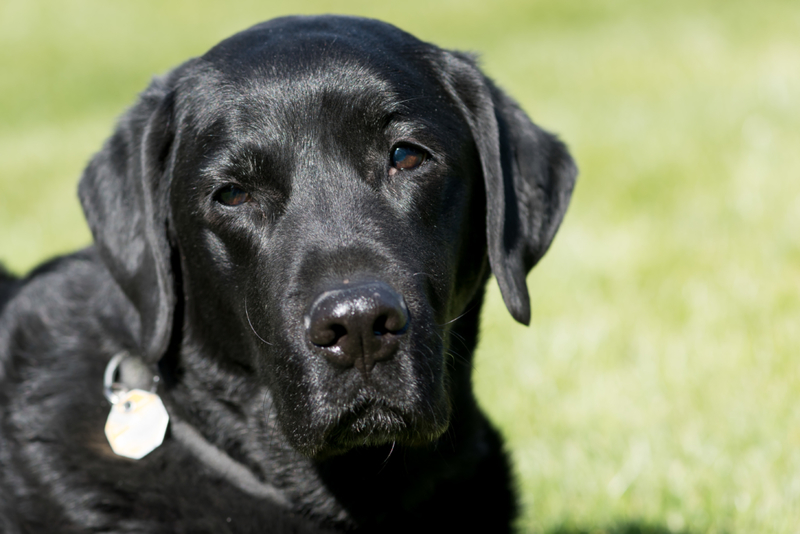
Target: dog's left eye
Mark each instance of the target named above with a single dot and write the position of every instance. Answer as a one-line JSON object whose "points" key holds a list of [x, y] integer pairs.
{"points": [[405, 158], [230, 195]]}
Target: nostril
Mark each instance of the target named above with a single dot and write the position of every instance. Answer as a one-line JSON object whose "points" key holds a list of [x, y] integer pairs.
{"points": [[397, 320], [401, 330], [379, 328], [339, 331], [392, 323], [358, 324], [326, 335]]}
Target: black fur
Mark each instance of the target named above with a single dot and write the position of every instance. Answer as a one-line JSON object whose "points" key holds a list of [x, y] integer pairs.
{"points": [[302, 114], [7, 286]]}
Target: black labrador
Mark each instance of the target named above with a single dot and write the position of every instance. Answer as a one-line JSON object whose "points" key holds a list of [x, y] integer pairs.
{"points": [[292, 237]]}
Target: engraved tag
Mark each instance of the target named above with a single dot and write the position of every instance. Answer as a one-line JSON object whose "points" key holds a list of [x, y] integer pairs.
{"points": [[137, 424]]}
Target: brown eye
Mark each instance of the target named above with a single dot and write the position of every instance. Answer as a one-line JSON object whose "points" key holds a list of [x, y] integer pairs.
{"points": [[405, 158], [230, 195]]}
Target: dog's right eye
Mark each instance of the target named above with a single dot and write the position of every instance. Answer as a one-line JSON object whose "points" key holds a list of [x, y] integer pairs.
{"points": [[230, 195]]}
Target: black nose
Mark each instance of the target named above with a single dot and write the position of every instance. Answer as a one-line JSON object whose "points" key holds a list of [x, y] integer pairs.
{"points": [[357, 324]]}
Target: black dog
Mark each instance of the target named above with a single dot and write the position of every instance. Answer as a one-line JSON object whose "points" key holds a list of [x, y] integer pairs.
{"points": [[293, 232]]}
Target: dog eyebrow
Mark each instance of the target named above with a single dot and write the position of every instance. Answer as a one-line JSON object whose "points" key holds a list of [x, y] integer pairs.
{"points": [[400, 124], [252, 164]]}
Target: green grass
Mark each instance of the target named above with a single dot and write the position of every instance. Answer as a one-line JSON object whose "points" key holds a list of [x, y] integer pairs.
{"points": [[658, 387]]}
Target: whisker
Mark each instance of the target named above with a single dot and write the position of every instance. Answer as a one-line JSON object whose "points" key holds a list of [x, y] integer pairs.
{"points": [[390, 452], [459, 317], [411, 99], [251, 324], [458, 337]]}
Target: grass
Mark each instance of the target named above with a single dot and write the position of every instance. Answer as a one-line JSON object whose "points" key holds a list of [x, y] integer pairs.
{"points": [[657, 389]]}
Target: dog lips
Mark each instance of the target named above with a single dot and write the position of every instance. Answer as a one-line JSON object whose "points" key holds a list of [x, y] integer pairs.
{"points": [[137, 424]]}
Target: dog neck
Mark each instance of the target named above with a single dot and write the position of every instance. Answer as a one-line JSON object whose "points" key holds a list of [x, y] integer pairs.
{"points": [[134, 374]]}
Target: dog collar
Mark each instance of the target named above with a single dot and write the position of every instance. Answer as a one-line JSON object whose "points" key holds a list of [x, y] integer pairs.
{"points": [[138, 422]]}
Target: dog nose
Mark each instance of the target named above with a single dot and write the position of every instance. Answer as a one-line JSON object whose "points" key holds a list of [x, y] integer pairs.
{"points": [[357, 324]]}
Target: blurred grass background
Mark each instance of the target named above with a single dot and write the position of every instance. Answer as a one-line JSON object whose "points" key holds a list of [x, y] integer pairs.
{"points": [[657, 389]]}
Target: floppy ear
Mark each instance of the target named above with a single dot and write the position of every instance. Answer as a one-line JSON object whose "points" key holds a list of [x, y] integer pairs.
{"points": [[528, 173], [124, 192]]}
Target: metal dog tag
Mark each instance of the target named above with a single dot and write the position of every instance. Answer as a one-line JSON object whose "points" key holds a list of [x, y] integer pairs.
{"points": [[138, 419], [137, 424]]}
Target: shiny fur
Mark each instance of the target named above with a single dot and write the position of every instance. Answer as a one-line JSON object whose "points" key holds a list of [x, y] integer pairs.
{"points": [[302, 113]]}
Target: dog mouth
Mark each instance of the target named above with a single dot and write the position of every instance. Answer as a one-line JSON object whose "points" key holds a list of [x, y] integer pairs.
{"points": [[375, 422]]}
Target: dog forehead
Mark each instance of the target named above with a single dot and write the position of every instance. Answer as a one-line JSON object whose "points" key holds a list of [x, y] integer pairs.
{"points": [[296, 76], [356, 58]]}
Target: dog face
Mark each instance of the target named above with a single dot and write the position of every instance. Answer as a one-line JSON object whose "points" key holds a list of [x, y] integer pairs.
{"points": [[317, 195], [323, 198]]}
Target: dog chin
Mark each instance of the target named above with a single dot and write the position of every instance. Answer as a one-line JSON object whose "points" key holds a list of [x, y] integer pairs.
{"points": [[375, 423]]}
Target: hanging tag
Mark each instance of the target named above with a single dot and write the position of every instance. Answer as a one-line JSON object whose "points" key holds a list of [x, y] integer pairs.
{"points": [[137, 424]]}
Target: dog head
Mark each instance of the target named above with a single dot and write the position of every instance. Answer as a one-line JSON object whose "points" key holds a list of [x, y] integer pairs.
{"points": [[325, 196]]}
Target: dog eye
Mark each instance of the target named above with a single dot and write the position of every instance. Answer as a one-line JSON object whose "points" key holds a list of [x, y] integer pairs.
{"points": [[230, 195], [406, 157]]}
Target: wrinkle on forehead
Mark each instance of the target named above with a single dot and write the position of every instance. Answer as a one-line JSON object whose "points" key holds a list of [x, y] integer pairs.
{"points": [[273, 99], [341, 91], [299, 68]]}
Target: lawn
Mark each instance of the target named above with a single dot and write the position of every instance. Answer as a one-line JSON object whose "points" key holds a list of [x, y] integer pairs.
{"points": [[658, 386]]}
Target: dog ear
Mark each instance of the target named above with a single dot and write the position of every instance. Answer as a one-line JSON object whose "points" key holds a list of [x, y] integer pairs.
{"points": [[528, 173], [124, 192]]}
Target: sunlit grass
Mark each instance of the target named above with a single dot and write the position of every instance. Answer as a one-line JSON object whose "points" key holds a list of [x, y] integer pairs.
{"points": [[659, 382]]}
